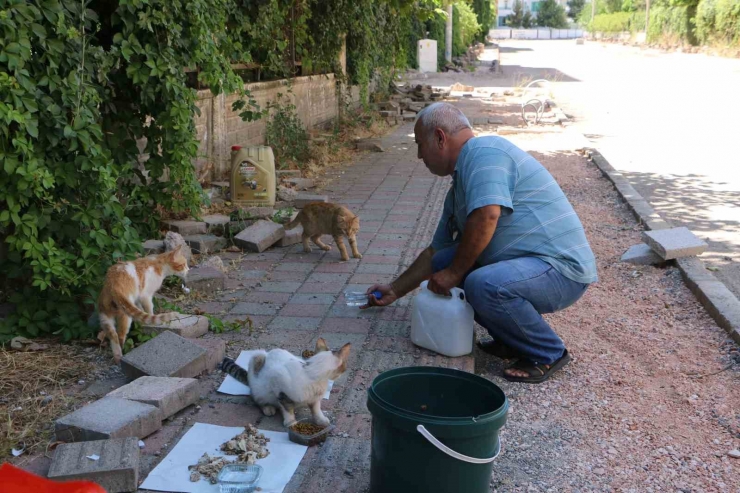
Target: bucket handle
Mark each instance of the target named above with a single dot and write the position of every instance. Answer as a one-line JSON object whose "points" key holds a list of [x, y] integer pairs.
{"points": [[441, 446]]}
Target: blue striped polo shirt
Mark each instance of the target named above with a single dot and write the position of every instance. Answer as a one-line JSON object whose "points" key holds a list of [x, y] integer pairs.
{"points": [[536, 218]]}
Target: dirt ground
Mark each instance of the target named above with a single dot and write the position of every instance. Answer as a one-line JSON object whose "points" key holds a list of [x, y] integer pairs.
{"points": [[641, 407]]}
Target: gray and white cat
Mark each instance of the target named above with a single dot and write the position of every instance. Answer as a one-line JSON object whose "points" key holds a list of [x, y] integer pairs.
{"points": [[281, 380]]}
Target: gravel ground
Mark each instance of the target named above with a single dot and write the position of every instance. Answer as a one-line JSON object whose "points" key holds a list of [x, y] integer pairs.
{"points": [[629, 413]]}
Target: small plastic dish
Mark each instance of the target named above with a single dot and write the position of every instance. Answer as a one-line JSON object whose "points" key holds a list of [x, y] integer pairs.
{"points": [[239, 478], [308, 440]]}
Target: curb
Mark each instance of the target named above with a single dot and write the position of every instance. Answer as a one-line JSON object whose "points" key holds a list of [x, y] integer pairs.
{"points": [[721, 304]]}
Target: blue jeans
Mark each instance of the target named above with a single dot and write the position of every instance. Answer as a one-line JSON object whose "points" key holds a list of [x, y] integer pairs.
{"points": [[508, 298]]}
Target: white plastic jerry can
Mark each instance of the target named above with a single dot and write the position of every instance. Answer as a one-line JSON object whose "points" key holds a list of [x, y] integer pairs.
{"points": [[442, 324]]}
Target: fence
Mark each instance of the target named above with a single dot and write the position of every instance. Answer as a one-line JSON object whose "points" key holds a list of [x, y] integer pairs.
{"points": [[535, 33]]}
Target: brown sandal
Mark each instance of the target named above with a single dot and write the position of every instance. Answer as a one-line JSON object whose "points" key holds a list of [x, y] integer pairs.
{"points": [[537, 372]]}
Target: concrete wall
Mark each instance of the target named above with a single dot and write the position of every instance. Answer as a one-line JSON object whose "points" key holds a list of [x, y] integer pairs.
{"points": [[218, 127], [541, 33]]}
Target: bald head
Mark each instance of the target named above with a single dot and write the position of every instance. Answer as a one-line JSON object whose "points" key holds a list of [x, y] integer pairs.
{"points": [[443, 116]]}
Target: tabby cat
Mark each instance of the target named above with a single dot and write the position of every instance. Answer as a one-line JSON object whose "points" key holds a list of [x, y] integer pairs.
{"points": [[321, 218]]}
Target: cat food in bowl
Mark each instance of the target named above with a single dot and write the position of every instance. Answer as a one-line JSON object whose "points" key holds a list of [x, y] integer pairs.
{"points": [[304, 432], [239, 478]]}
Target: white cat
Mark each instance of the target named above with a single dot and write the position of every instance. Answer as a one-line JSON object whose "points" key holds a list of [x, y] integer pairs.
{"points": [[281, 380]]}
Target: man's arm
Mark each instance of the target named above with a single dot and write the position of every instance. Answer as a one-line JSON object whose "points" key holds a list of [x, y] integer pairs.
{"points": [[479, 228], [417, 272]]}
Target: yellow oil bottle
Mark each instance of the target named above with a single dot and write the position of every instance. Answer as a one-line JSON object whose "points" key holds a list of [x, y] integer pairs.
{"points": [[253, 176]]}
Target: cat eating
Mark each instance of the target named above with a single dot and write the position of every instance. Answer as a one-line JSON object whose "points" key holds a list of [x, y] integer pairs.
{"points": [[127, 294], [281, 380], [321, 218]]}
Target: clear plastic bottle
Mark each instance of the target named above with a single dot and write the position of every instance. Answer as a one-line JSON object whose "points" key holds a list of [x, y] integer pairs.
{"points": [[358, 298]]}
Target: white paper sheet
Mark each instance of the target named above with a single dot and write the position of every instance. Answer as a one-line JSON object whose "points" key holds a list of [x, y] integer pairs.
{"points": [[231, 386], [172, 473]]}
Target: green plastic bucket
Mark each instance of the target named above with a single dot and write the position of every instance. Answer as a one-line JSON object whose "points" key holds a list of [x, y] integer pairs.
{"points": [[434, 430]]}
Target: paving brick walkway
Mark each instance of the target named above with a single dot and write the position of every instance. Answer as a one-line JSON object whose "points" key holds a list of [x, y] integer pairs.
{"points": [[293, 298]]}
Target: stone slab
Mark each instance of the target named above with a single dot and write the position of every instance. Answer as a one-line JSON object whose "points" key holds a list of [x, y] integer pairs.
{"points": [[153, 247], [236, 227], [674, 243], [167, 355], [260, 236], [188, 326], [203, 244], [217, 224], [173, 240], [302, 183], [216, 350], [409, 117], [186, 227], [257, 212], [369, 145], [641, 254], [169, 395], [205, 280], [303, 199], [291, 237], [109, 417], [116, 470]]}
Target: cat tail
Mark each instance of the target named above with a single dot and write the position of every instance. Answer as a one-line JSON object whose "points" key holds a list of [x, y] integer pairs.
{"points": [[141, 316], [230, 367], [295, 222]]}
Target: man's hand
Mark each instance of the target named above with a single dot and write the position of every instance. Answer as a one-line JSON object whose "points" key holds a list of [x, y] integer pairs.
{"points": [[389, 296], [443, 281]]}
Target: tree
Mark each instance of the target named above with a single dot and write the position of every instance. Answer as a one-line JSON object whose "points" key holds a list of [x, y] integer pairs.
{"points": [[551, 15], [576, 6], [517, 15], [528, 21], [485, 13]]}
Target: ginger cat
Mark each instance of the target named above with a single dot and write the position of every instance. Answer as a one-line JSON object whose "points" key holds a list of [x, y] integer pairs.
{"points": [[281, 380], [321, 218], [128, 291]]}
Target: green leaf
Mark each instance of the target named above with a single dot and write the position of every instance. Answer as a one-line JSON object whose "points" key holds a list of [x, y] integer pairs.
{"points": [[39, 30], [68, 132]]}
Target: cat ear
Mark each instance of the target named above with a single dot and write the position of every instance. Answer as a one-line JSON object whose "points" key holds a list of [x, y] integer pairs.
{"points": [[344, 352], [321, 345]]}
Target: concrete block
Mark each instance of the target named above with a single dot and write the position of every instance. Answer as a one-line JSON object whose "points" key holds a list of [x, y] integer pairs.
{"points": [[390, 106], [257, 212], [216, 350], [409, 117], [306, 198], [167, 355], [188, 326], [117, 469], [109, 417], [260, 236], [169, 395], [205, 243], [302, 183], [641, 254], [291, 237], [217, 224], [388, 114], [369, 145], [186, 227], [205, 280], [236, 227], [674, 243], [153, 247]]}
